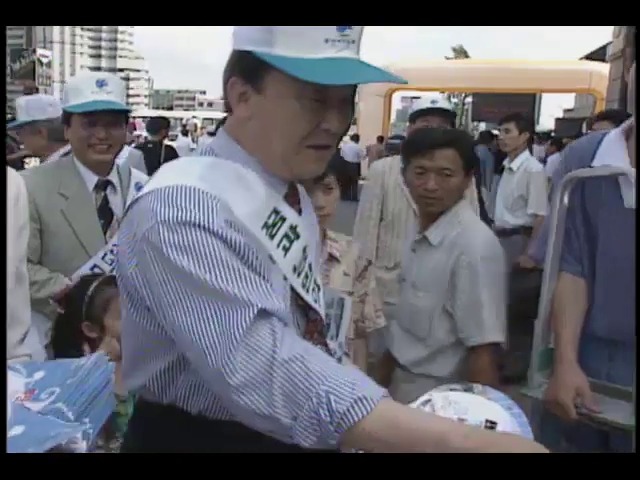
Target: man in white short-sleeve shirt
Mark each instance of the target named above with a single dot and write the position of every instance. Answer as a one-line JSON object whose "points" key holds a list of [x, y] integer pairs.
{"points": [[522, 198]]}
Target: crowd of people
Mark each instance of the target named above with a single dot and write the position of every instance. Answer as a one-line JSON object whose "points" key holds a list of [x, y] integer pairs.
{"points": [[216, 294]]}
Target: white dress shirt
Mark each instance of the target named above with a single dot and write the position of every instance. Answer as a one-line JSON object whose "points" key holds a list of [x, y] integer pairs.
{"points": [[522, 193], [352, 152]]}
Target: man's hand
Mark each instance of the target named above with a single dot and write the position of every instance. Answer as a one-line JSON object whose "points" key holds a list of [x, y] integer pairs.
{"points": [[525, 262], [569, 388], [383, 370], [110, 346], [58, 298]]}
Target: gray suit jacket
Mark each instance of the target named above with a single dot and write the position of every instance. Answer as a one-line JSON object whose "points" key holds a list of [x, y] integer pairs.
{"points": [[64, 228]]}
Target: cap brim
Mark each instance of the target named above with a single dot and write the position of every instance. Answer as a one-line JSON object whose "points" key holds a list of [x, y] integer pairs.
{"points": [[331, 71], [97, 106], [18, 123]]}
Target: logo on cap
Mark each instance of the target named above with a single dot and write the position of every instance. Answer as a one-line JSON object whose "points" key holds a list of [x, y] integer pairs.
{"points": [[344, 31], [102, 83], [434, 102]]}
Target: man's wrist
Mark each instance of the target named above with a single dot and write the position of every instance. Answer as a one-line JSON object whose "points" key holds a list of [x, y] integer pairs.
{"points": [[565, 358]]}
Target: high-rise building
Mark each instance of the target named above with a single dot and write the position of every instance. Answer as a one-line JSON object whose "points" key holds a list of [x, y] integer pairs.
{"points": [[76, 49], [167, 99], [20, 41]]}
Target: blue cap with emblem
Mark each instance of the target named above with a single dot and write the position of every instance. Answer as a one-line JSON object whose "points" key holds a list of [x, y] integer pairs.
{"points": [[321, 55], [95, 92]]}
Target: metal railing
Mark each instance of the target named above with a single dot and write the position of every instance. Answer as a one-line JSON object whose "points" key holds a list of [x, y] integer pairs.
{"points": [[616, 402]]}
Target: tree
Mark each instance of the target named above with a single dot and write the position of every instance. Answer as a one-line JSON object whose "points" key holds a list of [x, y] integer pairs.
{"points": [[459, 100]]}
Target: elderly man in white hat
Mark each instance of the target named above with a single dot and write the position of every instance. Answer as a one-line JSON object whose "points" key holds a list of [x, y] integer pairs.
{"points": [[39, 128], [76, 203], [225, 333]]}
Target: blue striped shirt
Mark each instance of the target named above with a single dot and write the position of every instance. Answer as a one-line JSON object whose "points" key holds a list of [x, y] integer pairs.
{"points": [[209, 150], [208, 324]]}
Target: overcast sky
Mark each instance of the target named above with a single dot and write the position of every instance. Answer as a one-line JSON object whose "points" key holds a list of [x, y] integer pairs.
{"points": [[193, 57]]}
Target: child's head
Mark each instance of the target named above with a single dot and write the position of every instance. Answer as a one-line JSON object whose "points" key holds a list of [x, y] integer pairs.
{"points": [[91, 313]]}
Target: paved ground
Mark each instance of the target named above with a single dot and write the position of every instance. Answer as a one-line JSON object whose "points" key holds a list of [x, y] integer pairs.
{"points": [[345, 216]]}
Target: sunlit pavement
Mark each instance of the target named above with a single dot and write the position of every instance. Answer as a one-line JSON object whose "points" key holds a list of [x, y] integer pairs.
{"points": [[344, 218]]}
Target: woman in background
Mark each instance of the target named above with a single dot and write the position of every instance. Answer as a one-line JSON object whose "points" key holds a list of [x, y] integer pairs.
{"points": [[343, 269]]}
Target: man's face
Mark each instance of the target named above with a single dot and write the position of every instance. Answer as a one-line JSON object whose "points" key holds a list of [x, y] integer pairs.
{"points": [[436, 181], [300, 124], [34, 139], [511, 140], [96, 138], [429, 120]]}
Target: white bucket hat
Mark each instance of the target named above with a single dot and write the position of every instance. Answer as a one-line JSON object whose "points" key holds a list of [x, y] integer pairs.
{"points": [[35, 108]]}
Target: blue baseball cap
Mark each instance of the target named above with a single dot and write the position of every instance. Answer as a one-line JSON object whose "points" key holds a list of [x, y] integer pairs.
{"points": [[321, 55], [91, 92]]}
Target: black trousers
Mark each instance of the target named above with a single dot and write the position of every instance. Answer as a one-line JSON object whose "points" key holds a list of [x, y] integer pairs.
{"points": [[349, 180], [155, 428]]}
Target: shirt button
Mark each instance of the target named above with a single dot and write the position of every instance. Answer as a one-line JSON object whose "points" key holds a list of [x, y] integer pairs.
{"points": [[413, 249]]}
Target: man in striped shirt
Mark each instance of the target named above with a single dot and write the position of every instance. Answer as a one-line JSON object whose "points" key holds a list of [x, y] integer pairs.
{"points": [[219, 348]]}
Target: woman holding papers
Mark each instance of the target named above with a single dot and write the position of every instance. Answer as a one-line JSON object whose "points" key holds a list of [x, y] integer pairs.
{"points": [[344, 272]]}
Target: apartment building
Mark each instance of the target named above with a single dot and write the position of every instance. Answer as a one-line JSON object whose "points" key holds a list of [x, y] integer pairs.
{"points": [[186, 100], [19, 38], [87, 48], [208, 103]]}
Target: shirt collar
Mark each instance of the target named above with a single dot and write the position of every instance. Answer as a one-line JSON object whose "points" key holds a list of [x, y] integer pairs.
{"points": [[91, 178], [58, 153], [613, 149], [517, 162], [227, 148], [446, 224]]}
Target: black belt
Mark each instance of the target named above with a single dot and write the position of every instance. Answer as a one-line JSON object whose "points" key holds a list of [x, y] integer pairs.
{"points": [[155, 428], [512, 232]]}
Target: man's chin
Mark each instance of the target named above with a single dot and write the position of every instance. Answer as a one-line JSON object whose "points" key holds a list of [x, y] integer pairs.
{"points": [[309, 171], [95, 157]]}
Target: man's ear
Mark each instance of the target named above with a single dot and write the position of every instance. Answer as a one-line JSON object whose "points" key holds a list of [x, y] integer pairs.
{"points": [[90, 330], [238, 96]]}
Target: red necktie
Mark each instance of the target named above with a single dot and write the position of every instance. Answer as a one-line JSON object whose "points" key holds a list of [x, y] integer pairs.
{"points": [[314, 330]]}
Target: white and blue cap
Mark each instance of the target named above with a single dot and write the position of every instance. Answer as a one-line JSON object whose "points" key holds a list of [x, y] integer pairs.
{"points": [[91, 92], [35, 108], [321, 55]]}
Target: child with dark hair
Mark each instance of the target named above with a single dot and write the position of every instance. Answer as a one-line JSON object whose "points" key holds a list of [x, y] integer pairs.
{"points": [[90, 322]]}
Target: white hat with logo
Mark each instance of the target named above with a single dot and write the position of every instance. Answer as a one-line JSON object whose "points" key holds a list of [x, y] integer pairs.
{"points": [[321, 55], [95, 92], [432, 102], [35, 108]]}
